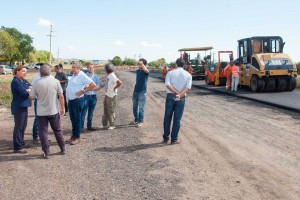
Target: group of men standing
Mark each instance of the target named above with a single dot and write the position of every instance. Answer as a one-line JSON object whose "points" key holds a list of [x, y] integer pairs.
{"points": [[50, 94]]}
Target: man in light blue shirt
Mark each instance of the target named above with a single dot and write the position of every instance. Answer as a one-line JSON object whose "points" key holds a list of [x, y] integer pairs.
{"points": [[90, 99], [178, 83], [79, 84]]}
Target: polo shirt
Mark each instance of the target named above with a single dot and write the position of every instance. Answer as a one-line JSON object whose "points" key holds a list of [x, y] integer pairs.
{"points": [[77, 83]]}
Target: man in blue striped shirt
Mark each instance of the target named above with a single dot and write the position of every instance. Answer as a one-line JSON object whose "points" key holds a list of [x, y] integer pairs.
{"points": [[90, 98], [178, 83]]}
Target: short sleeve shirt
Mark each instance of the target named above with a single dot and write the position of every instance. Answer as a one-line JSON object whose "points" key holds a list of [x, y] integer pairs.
{"points": [[96, 79], [62, 77], [46, 90], [141, 81], [77, 83], [178, 79], [111, 81]]}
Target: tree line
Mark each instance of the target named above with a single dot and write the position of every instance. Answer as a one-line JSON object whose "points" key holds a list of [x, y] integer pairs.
{"points": [[16, 46], [117, 61]]}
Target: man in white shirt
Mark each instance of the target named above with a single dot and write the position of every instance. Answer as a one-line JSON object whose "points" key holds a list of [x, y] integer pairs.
{"points": [[112, 84], [178, 83], [79, 84]]}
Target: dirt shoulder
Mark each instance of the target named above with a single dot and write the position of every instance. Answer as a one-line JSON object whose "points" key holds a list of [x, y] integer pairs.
{"points": [[231, 149]]}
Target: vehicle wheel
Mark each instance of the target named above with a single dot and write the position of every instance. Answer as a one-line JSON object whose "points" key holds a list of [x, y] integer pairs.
{"points": [[291, 84], [254, 84], [207, 80], [222, 81], [270, 85], [280, 84], [261, 85]]}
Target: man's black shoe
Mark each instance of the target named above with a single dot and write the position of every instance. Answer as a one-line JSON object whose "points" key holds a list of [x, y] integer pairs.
{"points": [[91, 129], [45, 156], [22, 151]]}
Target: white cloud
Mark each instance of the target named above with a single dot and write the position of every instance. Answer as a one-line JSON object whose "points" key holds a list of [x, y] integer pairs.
{"points": [[118, 43], [147, 44], [71, 48], [44, 22]]}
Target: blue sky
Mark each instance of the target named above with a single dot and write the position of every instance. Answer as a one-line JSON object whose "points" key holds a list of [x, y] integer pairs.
{"points": [[155, 29]]}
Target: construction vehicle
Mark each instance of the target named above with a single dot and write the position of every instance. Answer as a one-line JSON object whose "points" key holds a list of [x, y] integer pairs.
{"points": [[215, 74], [264, 66], [197, 64]]}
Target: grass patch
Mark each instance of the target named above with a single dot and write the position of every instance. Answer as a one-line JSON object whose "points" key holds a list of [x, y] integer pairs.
{"points": [[298, 82], [5, 91]]}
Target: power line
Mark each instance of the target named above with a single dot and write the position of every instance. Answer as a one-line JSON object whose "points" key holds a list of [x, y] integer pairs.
{"points": [[57, 54], [50, 59]]}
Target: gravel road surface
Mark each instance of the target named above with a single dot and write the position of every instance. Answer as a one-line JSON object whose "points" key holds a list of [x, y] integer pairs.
{"points": [[231, 149]]}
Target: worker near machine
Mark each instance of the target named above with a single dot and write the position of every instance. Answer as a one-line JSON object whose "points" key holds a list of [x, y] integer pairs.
{"points": [[235, 76], [228, 74], [165, 71]]}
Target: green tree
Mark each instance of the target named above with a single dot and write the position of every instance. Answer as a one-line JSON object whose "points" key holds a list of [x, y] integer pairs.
{"points": [[41, 56], [48, 56], [162, 62], [32, 57], [158, 63], [172, 64], [24, 44], [129, 61], [116, 61], [153, 64], [8, 46]]}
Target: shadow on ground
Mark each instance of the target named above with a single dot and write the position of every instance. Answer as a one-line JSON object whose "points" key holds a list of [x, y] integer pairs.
{"points": [[130, 149]]}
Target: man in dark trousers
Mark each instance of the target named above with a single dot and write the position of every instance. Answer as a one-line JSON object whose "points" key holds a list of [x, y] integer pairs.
{"points": [[178, 83], [46, 91]]}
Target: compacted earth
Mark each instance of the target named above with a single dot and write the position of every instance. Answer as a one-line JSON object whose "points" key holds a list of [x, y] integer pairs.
{"points": [[230, 149]]}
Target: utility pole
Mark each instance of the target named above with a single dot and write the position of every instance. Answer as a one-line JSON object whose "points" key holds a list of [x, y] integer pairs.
{"points": [[50, 59], [57, 55]]}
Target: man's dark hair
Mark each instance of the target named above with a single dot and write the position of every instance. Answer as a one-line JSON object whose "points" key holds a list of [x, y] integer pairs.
{"points": [[180, 62], [60, 65], [109, 68], [143, 60]]}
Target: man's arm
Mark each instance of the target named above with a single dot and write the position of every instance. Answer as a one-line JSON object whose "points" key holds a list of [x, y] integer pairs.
{"points": [[118, 83], [182, 93], [88, 88], [97, 83], [170, 87], [144, 68], [96, 88], [62, 103]]}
